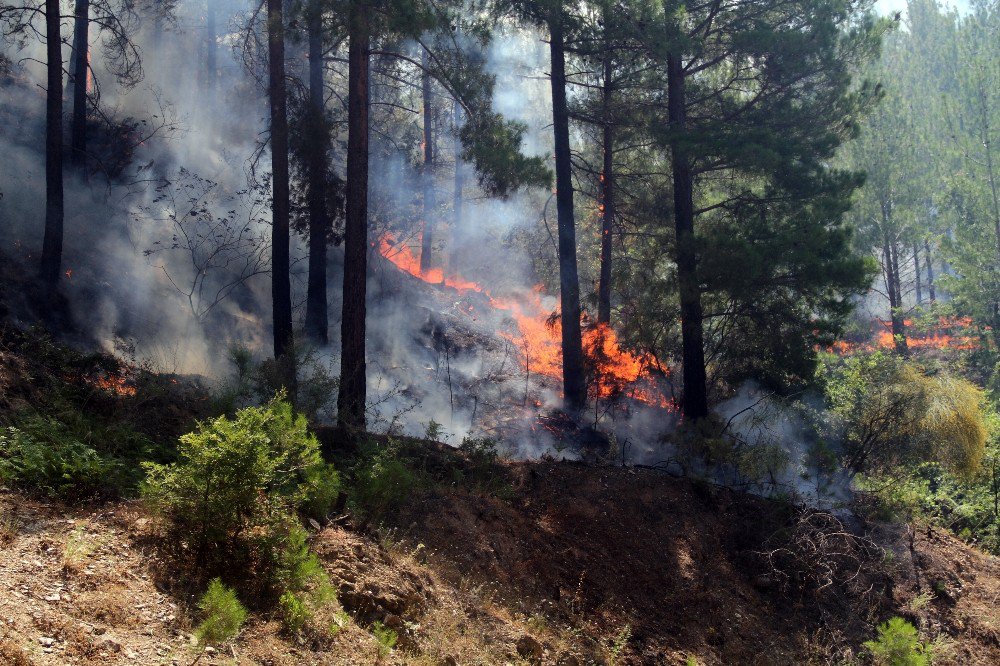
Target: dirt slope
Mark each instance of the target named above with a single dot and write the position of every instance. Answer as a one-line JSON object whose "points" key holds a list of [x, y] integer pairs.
{"points": [[573, 565]]}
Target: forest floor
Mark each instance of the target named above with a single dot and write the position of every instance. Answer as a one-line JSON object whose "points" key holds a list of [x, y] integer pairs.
{"points": [[576, 565], [516, 563]]}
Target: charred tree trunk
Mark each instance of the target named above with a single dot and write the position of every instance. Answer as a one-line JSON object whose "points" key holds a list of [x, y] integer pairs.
{"points": [[930, 271], [429, 203], [351, 399], [574, 378], [694, 404], [281, 296], [607, 198], [458, 201], [317, 318], [895, 307], [81, 63], [916, 273], [211, 45], [52, 244]]}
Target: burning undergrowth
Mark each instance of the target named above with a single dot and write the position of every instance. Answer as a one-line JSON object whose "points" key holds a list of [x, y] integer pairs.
{"points": [[497, 359]]}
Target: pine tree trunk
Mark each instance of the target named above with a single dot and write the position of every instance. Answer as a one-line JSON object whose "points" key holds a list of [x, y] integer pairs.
{"points": [[895, 307], [930, 271], [694, 404], [429, 203], [351, 399], [317, 318], [81, 58], [607, 198], [212, 45], [52, 245], [458, 201], [574, 378], [280, 280], [916, 273]]}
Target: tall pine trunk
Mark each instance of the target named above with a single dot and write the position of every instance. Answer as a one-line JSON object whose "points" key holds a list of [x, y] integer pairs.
{"points": [[458, 201], [351, 398], [52, 244], [694, 404], [607, 195], [281, 296], [317, 318], [429, 203], [916, 274], [891, 281], [574, 378], [930, 271], [81, 51]]}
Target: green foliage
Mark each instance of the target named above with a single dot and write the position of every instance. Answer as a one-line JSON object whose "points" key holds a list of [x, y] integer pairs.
{"points": [[222, 612], [385, 637], [236, 479], [294, 614], [888, 412], [45, 458], [381, 479], [899, 644]]}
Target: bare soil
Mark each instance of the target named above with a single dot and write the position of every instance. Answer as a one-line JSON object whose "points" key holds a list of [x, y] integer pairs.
{"points": [[574, 565]]}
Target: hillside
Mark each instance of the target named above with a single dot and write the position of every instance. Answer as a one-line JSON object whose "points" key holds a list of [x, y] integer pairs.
{"points": [[574, 565]]}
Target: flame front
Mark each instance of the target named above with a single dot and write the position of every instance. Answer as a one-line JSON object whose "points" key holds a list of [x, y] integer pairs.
{"points": [[539, 340]]}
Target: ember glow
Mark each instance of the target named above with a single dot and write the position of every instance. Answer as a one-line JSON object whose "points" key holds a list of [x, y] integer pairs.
{"points": [[537, 335]]}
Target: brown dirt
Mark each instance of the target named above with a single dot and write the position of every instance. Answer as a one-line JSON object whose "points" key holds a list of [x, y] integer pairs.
{"points": [[576, 565]]}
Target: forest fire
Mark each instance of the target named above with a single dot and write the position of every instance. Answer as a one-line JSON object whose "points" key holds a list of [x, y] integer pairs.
{"points": [[950, 333], [538, 336]]}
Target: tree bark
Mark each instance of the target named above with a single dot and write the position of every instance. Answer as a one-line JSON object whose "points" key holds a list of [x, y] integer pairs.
{"points": [[916, 273], [317, 318], [52, 244], [81, 62], [458, 201], [574, 378], [607, 196], [280, 280], [930, 271], [429, 202], [351, 398], [891, 282], [694, 404]]}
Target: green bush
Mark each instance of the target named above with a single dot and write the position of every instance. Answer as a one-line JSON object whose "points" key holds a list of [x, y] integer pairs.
{"points": [[386, 638], [238, 479], [223, 614], [45, 457], [888, 412], [899, 644], [381, 480], [294, 614]]}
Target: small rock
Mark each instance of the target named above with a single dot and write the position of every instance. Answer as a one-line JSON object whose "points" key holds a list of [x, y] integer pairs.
{"points": [[209, 650], [315, 525], [529, 648], [46, 641], [53, 597]]}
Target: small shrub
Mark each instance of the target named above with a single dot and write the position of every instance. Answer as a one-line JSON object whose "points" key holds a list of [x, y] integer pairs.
{"points": [[45, 458], [899, 644], [294, 613], [382, 481], [223, 614], [385, 637], [238, 479]]}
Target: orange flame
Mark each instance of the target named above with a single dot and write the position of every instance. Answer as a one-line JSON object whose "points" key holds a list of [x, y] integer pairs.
{"points": [[951, 333], [539, 337]]}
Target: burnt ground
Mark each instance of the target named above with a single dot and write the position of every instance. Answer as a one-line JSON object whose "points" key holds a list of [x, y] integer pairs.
{"points": [[570, 565]]}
